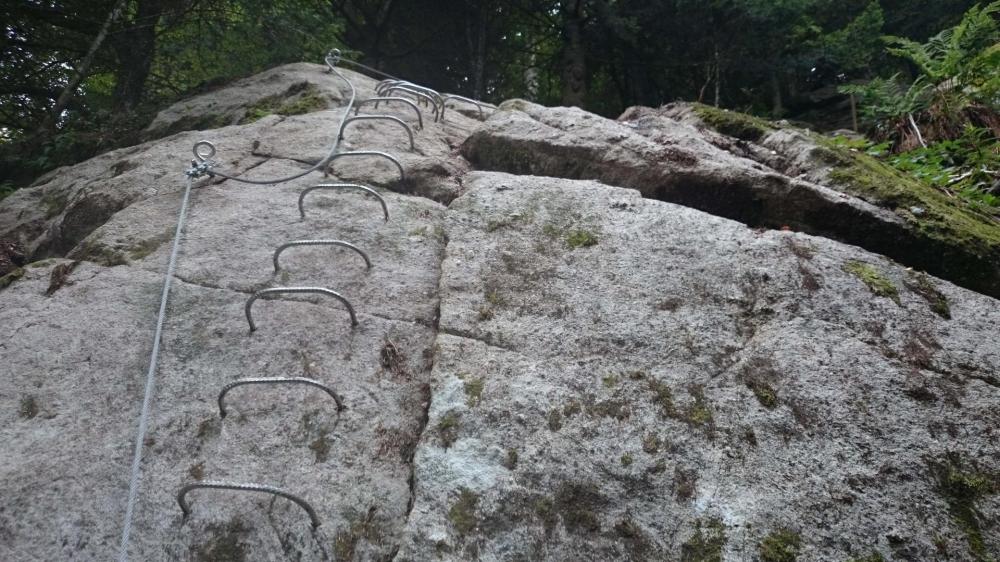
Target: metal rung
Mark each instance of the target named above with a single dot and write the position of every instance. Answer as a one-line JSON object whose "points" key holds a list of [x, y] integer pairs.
{"points": [[402, 175], [479, 105], [387, 84], [435, 103], [276, 380], [340, 243], [302, 196], [376, 100], [296, 290], [245, 488], [347, 121]]}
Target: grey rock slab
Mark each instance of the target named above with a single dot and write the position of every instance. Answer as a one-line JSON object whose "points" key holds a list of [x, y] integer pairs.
{"points": [[63, 207], [617, 378], [672, 160], [233, 230], [228, 105], [74, 372], [432, 168]]}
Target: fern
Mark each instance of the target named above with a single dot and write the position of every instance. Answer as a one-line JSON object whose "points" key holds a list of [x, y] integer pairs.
{"points": [[946, 55]]}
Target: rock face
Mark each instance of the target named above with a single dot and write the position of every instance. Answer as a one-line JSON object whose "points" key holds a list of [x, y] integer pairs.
{"points": [[543, 369], [787, 180]]}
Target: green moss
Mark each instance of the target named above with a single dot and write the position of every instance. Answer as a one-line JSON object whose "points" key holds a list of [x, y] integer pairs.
{"points": [[510, 461], [610, 381], [571, 408], [580, 239], [104, 255], [698, 413], [54, 203], [41, 263], [447, 429], [627, 460], [224, 544], [943, 219], [462, 513], [664, 397], [495, 298], [474, 391], [8, 279], [732, 123], [309, 101], [765, 394], [651, 444], [921, 284], [321, 448], [299, 99], [254, 114], [28, 408], [873, 557], [877, 283], [780, 546], [706, 544], [615, 409], [577, 503], [554, 420], [361, 528], [962, 488], [148, 246]]}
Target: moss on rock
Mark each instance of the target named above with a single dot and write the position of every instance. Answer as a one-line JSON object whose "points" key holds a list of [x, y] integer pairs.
{"points": [[706, 544], [780, 546], [877, 283], [8, 279], [732, 123]]}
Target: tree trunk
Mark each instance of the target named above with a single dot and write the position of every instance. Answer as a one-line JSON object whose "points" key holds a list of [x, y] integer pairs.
{"points": [[778, 107], [718, 77], [475, 36], [135, 47], [81, 71], [574, 75]]}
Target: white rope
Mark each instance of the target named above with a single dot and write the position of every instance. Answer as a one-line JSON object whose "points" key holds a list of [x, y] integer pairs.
{"points": [[133, 487]]}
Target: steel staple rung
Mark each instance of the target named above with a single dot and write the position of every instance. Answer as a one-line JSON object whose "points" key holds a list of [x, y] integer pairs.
{"points": [[376, 100], [391, 158], [341, 243], [434, 102], [275, 380], [349, 120], [249, 487], [368, 190], [295, 290]]}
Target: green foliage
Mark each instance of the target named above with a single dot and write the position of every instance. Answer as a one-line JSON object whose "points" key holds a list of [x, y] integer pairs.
{"points": [[6, 188], [946, 55], [968, 166], [958, 83]]}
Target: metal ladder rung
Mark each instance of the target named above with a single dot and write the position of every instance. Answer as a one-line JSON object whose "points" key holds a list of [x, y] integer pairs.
{"points": [[248, 487]]}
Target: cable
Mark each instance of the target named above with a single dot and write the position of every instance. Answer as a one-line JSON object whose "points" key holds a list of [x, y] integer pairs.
{"points": [[133, 486]]}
